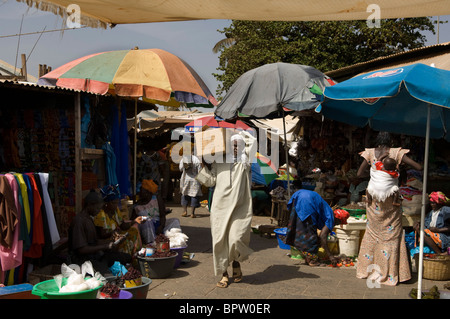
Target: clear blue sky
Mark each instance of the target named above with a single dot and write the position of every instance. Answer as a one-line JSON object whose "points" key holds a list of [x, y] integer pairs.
{"points": [[191, 40]]}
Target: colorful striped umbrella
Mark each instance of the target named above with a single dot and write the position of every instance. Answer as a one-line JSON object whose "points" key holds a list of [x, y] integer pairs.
{"points": [[263, 170], [152, 74]]}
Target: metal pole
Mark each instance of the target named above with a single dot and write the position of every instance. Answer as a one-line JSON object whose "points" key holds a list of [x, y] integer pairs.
{"points": [[424, 194], [287, 156], [135, 145]]}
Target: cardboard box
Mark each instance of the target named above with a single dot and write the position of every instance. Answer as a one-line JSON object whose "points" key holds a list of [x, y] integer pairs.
{"points": [[211, 143]]}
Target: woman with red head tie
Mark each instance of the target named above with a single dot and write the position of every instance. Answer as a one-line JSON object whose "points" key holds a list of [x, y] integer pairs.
{"points": [[437, 224]]}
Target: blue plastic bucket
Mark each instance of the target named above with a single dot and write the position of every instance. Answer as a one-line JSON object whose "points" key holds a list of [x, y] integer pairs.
{"points": [[280, 233]]}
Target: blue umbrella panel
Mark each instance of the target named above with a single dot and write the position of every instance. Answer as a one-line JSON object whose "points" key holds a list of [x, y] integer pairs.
{"points": [[394, 100]]}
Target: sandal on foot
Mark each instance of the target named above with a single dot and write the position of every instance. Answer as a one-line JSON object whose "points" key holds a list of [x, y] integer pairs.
{"points": [[223, 283], [184, 215], [237, 274], [193, 216]]}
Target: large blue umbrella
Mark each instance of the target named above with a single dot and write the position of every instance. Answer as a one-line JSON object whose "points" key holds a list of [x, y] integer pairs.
{"points": [[394, 100], [412, 100]]}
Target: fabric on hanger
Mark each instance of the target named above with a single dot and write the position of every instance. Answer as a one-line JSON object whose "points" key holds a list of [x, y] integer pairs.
{"points": [[48, 247], [110, 160], [12, 257], [25, 202], [54, 233], [29, 193], [37, 241], [23, 234], [8, 213]]}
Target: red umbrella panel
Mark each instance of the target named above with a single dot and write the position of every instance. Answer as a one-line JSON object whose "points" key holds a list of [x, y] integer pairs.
{"points": [[211, 121]]}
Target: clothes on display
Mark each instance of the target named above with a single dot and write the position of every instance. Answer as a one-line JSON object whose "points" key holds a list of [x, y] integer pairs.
{"points": [[31, 229]]}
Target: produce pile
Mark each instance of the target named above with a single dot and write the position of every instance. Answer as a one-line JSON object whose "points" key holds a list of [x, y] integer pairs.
{"points": [[110, 290], [432, 294], [160, 240], [342, 261], [132, 274]]}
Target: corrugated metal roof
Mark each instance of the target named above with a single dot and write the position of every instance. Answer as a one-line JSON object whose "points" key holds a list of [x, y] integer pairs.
{"points": [[8, 69], [29, 85], [439, 54]]}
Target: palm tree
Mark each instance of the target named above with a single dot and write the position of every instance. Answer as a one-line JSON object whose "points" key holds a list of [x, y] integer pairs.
{"points": [[224, 43]]}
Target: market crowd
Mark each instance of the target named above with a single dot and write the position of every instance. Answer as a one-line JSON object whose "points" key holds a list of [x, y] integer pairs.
{"points": [[229, 188]]}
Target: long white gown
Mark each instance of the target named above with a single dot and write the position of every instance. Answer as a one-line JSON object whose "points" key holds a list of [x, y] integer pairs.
{"points": [[231, 212]]}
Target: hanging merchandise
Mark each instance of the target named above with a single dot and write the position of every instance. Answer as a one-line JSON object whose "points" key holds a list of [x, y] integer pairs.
{"points": [[121, 147], [31, 229], [85, 124]]}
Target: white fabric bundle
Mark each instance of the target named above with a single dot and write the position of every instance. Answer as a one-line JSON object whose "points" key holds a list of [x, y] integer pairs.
{"points": [[177, 238], [381, 185]]}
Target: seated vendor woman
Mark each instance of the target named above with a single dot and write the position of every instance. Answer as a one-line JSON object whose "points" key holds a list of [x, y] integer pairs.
{"points": [[84, 243], [151, 206], [437, 224], [310, 213], [110, 224]]}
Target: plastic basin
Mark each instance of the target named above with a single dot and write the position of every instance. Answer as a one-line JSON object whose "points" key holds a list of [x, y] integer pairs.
{"points": [[49, 290], [160, 267], [139, 292], [180, 251], [355, 212]]}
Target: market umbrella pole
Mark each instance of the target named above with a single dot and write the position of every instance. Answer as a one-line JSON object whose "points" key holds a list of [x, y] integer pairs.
{"points": [[135, 145], [424, 194], [286, 154]]}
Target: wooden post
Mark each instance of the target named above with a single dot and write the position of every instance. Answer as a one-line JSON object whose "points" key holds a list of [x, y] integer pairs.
{"points": [[78, 166], [24, 66]]}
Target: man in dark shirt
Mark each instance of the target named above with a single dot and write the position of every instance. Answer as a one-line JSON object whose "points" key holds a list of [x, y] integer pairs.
{"points": [[83, 241]]}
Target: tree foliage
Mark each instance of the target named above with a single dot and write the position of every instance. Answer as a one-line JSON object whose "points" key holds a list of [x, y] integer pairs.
{"points": [[325, 45]]}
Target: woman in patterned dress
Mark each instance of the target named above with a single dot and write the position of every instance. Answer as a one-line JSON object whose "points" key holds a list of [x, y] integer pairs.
{"points": [[383, 256], [110, 223]]}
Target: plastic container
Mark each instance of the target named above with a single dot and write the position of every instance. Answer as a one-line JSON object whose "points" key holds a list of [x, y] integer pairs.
{"points": [[180, 251], [139, 292], [49, 290], [123, 294], [280, 233], [295, 253], [355, 212], [348, 241], [160, 267]]}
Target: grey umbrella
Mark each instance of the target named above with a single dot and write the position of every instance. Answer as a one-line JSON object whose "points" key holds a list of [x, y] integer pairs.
{"points": [[267, 91]]}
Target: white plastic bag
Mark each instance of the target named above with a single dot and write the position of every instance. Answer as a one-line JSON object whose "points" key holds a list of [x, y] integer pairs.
{"points": [[177, 238], [76, 278]]}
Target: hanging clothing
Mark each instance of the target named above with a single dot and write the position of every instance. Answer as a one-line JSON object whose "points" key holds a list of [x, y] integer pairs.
{"points": [[120, 145], [37, 240], [54, 233], [111, 165], [12, 257], [8, 213]]}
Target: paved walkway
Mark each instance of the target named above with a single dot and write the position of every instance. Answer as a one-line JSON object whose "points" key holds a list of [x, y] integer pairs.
{"points": [[269, 273]]}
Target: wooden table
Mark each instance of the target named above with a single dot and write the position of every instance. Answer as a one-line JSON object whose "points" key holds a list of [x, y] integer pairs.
{"points": [[280, 212]]}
